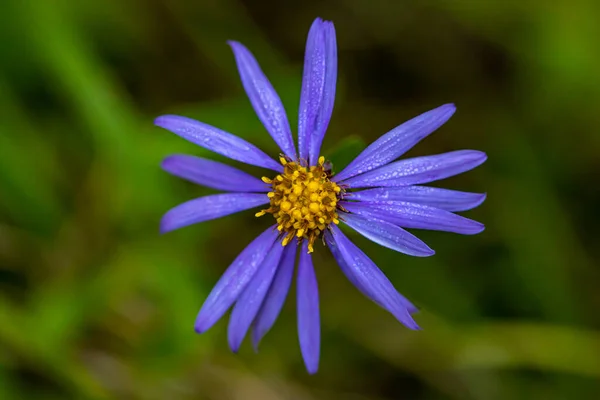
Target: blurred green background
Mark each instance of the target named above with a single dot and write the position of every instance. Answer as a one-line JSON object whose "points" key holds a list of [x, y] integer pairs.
{"points": [[95, 304]]}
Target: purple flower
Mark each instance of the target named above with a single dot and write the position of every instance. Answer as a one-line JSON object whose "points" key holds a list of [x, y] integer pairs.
{"points": [[375, 195]]}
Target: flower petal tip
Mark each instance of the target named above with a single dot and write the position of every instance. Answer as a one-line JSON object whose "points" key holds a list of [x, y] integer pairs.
{"points": [[255, 347], [323, 21], [471, 227], [473, 158], [479, 200], [165, 224], [323, 25], [164, 121], [255, 340], [235, 44], [202, 323], [415, 327], [198, 328], [234, 343], [410, 323], [312, 369], [424, 251], [480, 155], [449, 107], [163, 228], [167, 161], [477, 228]]}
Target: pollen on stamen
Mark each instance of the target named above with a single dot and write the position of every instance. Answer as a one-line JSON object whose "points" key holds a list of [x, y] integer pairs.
{"points": [[303, 201]]}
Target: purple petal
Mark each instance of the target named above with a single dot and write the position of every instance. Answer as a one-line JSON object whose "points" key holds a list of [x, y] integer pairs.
{"points": [[397, 141], [249, 302], [412, 215], [369, 279], [449, 200], [234, 280], [318, 89], [276, 295], [387, 235], [209, 207], [309, 330], [212, 174], [217, 140], [264, 99], [357, 282], [420, 169]]}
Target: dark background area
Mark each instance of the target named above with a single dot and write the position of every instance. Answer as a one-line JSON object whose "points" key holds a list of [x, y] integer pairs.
{"points": [[95, 304]]}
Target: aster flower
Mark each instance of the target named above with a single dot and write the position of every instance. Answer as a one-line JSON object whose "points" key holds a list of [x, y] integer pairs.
{"points": [[374, 195]]}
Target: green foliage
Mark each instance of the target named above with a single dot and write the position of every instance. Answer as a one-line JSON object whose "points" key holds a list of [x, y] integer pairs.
{"points": [[345, 151]]}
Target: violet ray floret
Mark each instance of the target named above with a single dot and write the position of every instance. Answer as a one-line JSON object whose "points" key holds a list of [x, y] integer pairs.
{"points": [[248, 304], [309, 330], [212, 174], [445, 199], [209, 207], [264, 99], [278, 291], [416, 216], [369, 279], [397, 142]]}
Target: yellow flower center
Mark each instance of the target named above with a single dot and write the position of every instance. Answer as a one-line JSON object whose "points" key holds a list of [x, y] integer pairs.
{"points": [[303, 201]]}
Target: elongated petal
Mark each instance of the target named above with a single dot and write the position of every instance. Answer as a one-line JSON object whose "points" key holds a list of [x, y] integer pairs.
{"points": [[234, 280], [217, 140], [358, 283], [449, 200], [318, 89], [387, 234], [309, 329], [276, 295], [264, 99], [412, 215], [397, 142], [251, 299], [328, 100], [369, 279], [209, 207], [212, 174], [418, 170]]}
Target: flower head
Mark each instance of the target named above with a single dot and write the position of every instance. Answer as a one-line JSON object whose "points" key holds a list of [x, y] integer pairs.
{"points": [[374, 195]]}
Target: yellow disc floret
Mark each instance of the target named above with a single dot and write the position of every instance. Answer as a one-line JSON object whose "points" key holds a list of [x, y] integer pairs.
{"points": [[303, 201]]}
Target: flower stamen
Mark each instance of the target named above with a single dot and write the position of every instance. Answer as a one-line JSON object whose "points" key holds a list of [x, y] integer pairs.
{"points": [[303, 201]]}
